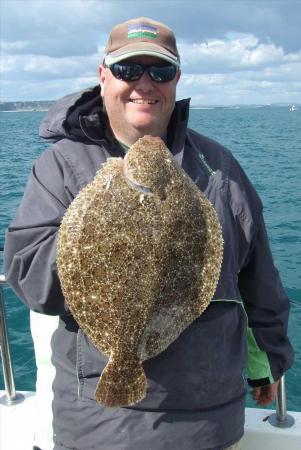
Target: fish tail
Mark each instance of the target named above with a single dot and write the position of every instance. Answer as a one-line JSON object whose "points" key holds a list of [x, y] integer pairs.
{"points": [[121, 383]]}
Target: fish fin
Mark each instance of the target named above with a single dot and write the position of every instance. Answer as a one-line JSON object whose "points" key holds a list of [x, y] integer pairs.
{"points": [[121, 384]]}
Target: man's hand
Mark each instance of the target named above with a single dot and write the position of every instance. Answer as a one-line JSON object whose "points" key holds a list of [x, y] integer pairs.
{"points": [[264, 395]]}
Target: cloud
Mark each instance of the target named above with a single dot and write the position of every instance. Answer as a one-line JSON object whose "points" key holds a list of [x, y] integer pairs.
{"points": [[269, 20], [281, 85], [72, 27], [241, 53], [229, 48], [14, 47], [37, 67], [55, 28], [39, 90], [240, 70]]}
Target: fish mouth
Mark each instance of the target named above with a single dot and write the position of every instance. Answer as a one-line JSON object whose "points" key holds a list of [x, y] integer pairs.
{"points": [[131, 180]]}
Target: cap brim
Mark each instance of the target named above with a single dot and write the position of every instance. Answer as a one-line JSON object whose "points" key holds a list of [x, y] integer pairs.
{"points": [[138, 49]]}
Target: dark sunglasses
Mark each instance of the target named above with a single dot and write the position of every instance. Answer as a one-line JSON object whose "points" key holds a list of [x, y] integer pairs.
{"points": [[127, 71]]}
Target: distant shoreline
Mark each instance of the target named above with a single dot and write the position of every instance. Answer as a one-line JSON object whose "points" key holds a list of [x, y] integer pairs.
{"points": [[44, 106], [34, 106], [24, 110]]}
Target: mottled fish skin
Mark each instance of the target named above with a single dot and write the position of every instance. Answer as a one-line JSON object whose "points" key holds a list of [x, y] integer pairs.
{"points": [[139, 255]]}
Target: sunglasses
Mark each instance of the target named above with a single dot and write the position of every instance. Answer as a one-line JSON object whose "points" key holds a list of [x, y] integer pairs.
{"points": [[127, 71]]}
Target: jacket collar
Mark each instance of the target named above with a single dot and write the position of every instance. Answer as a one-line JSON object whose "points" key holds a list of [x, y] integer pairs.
{"points": [[176, 131]]}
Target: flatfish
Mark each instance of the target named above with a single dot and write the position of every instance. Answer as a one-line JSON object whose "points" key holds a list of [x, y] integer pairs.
{"points": [[139, 254]]}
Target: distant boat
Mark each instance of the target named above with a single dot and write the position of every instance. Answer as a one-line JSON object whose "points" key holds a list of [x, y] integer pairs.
{"points": [[293, 108]]}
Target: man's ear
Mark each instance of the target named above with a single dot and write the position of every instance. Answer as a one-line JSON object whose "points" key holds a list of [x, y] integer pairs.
{"points": [[102, 77], [178, 75]]}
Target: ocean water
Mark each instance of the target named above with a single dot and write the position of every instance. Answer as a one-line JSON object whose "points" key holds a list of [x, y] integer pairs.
{"points": [[267, 143]]}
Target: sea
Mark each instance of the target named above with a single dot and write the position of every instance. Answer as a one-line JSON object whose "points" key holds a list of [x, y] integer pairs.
{"points": [[267, 143]]}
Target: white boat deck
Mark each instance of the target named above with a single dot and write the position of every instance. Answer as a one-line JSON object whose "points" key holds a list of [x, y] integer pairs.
{"points": [[17, 423], [17, 426], [261, 435]]}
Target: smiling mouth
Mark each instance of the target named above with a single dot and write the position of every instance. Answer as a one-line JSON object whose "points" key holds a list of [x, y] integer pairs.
{"points": [[140, 101]]}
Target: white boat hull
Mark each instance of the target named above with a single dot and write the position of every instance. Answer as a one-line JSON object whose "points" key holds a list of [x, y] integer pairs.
{"points": [[17, 425]]}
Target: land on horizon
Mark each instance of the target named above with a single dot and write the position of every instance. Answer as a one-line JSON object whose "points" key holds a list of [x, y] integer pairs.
{"points": [[44, 105]]}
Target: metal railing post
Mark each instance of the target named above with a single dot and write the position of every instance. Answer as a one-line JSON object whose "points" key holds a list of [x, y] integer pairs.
{"points": [[11, 396], [280, 418]]}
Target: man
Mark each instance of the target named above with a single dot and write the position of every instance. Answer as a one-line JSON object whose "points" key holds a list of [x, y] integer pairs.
{"points": [[196, 390]]}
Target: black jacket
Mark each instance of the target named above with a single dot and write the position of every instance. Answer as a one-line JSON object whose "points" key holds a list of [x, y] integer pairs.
{"points": [[196, 388]]}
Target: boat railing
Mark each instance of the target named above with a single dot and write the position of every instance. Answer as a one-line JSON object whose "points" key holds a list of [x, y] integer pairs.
{"points": [[279, 419], [11, 397]]}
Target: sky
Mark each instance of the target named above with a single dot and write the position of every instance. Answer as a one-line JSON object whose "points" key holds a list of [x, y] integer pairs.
{"points": [[232, 51]]}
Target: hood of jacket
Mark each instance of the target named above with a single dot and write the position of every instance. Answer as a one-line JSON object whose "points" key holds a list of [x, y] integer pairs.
{"points": [[80, 116]]}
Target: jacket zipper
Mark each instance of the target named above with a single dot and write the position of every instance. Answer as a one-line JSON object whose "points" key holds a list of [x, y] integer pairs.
{"points": [[205, 164]]}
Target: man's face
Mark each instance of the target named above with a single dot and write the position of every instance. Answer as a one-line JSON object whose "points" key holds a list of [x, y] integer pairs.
{"points": [[137, 108]]}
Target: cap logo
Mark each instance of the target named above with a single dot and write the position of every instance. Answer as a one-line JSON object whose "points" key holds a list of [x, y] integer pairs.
{"points": [[142, 30]]}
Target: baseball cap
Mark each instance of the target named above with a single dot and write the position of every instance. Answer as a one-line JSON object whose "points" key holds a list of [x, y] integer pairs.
{"points": [[141, 36]]}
